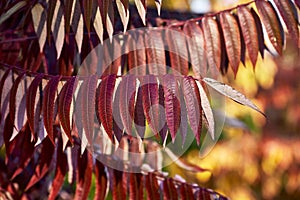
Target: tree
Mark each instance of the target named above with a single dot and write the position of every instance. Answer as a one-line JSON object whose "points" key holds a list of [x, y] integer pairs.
{"points": [[67, 72]]}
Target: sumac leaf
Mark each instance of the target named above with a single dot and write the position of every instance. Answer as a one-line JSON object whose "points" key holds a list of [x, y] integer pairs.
{"points": [[260, 34], [186, 192], [39, 24], [117, 184], [232, 39], [101, 181], [139, 116], [48, 105], [169, 189], [135, 186], [141, 7], [152, 186]]}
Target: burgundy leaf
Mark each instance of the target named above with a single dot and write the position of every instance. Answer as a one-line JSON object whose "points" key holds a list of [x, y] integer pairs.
{"points": [[135, 186], [151, 102], [260, 34], [104, 103], [64, 106], [232, 39], [101, 181], [184, 119], [46, 157], [84, 175], [193, 105], [286, 9], [186, 192], [169, 189], [2, 83], [172, 104], [127, 100], [48, 105], [60, 171], [271, 23], [197, 49], [30, 102], [139, 116], [249, 32], [118, 187], [152, 187], [87, 13]]}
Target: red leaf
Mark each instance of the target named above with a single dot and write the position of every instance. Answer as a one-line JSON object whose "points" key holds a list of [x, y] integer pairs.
{"points": [[127, 100], [232, 39], [249, 31], [135, 186], [260, 34], [46, 157], [193, 105], [101, 181], [104, 99], [60, 171], [139, 116], [203, 194], [183, 120], [172, 104], [197, 49], [48, 105], [2, 83], [286, 9], [271, 23], [151, 102], [178, 51], [213, 43], [30, 102], [169, 189], [152, 187], [64, 107], [84, 175], [186, 192], [118, 187]]}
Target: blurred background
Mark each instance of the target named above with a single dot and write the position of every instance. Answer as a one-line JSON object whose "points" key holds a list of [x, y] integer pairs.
{"points": [[261, 161]]}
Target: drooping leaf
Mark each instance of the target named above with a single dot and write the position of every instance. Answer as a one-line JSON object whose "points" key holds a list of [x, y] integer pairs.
{"points": [[193, 105], [152, 187], [158, 6], [104, 99], [60, 171], [184, 119], [197, 49], [122, 6], [64, 106], [177, 50], [48, 105], [213, 43], [3, 92], [57, 27], [249, 31], [87, 13], [207, 110], [101, 181], [186, 192], [127, 101], [141, 6], [42, 167], [286, 10], [39, 24], [135, 186], [31, 102], [77, 25], [169, 189], [271, 24], [233, 94], [260, 34], [98, 25], [69, 11], [84, 175], [232, 39], [172, 104], [6, 15], [139, 116], [117, 185], [151, 102], [155, 52]]}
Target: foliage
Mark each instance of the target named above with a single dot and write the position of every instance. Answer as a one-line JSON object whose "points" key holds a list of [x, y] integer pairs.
{"points": [[44, 43]]}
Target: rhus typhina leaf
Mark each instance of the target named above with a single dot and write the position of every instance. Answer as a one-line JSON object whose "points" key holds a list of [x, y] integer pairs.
{"points": [[43, 166], [117, 184], [104, 99], [64, 105], [260, 34], [135, 186], [127, 101], [172, 104], [60, 171], [152, 186], [139, 116], [186, 191], [169, 188], [83, 175], [30, 103], [193, 105], [101, 181], [48, 105], [249, 32]]}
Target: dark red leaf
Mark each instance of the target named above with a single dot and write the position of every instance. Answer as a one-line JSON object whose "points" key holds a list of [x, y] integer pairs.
{"points": [[104, 99], [169, 189], [83, 175], [186, 192], [139, 116], [136, 186], [172, 104], [64, 105], [193, 105], [260, 34], [101, 181], [2, 83], [152, 186], [118, 187], [48, 105]]}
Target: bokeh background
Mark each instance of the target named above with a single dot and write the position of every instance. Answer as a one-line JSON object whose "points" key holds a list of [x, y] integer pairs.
{"points": [[260, 160]]}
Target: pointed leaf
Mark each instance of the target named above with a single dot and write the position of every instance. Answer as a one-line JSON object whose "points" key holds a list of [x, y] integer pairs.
{"points": [[271, 24], [39, 24], [48, 105], [152, 187], [87, 11], [231, 93], [139, 116], [104, 103], [286, 9], [169, 189], [122, 6], [64, 106], [158, 6], [98, 25], [57, 27], [69, 9], [78, 25], [232, 39], [118, 187], [249, 31], [135, 186], [141, 7], [172, 104], [101, 181], [186, 192], [213, 43], [260, 34]]}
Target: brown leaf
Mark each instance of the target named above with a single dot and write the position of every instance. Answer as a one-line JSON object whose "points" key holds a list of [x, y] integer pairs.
{"points": [[272, 24], [260, 34], [232, 39], [117, 185], [135, 186], [249, 31]]}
